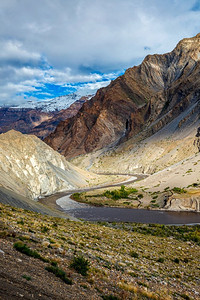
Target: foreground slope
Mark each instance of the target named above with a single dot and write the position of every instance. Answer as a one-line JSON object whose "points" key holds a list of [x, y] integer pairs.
{"points": [[144, 99], [126, 261]]}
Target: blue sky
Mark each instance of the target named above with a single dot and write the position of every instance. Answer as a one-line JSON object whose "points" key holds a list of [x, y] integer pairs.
{"points": [[54, 47]]}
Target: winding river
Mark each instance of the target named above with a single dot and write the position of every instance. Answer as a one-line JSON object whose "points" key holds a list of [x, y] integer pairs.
{"points": [[116, 214]]}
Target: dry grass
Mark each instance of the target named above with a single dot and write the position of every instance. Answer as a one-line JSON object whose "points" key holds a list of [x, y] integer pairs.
{"points": [[112, 268]]}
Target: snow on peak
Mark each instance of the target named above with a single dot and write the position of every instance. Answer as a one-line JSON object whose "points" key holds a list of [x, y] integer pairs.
{"points": [[58, 103]]}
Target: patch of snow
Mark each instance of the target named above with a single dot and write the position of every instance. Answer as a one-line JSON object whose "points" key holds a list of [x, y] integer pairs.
{"points": [[55, 104]]}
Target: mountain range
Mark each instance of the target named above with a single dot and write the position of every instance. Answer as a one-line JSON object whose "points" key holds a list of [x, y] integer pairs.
{"points": [[39, 120], [142, 101], [145, 121]]}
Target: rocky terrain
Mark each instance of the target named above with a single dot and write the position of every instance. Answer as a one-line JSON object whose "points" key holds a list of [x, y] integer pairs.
{"points": [[142, 101], [22, 119], [49, 125], [51, 258], [32, 169], [170, 157], [35, 120]]}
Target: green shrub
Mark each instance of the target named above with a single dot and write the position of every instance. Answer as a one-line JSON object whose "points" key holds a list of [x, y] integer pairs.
{"points": [[140, 196], [184, 296], [20, 222], [76, 196], [59, 273], [179, 190], [80, 264], [119, 194], [161, 260], [44, 229], [28, 278], [54, 263], [153, 201], [176, 260], [134, 254], [109, 297], [23, 248]]}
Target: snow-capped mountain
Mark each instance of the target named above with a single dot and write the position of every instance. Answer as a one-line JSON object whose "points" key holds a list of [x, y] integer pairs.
{"points": [[55, 104]]}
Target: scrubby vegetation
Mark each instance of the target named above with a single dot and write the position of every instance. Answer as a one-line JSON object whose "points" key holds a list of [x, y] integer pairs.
{"points": [[59, 273], [129, 197], [21, 247], [113, 197], [184, 232], [123, 192], [179, 190], [121, 260], [80, 264]]}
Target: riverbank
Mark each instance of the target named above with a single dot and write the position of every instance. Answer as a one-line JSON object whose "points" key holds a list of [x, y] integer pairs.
{"points": [[117, 214], [50, 201], [96, 204]]}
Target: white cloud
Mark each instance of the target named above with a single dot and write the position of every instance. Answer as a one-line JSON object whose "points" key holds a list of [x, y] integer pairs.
{"points": [[13, 53], [64, 42]]}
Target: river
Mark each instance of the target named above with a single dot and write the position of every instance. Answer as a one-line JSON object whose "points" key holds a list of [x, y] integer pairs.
{"points": [[115, 214]]}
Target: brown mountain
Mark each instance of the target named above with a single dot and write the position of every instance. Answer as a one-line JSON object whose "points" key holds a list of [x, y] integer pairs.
{"points": [[21, 119], [45, 128], [144, 99], [36, 121]]}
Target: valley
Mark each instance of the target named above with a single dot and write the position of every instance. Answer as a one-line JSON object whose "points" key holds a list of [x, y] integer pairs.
{"points": [[100, 194]]}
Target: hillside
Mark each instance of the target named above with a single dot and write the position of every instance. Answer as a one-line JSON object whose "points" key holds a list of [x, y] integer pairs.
{"points": [[170, 157], [143, 100], [124, 261], [32, 169]]}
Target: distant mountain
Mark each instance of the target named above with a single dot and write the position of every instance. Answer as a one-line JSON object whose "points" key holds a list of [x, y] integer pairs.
{"points": [[40, 120], [140, 102], [52, 105]]}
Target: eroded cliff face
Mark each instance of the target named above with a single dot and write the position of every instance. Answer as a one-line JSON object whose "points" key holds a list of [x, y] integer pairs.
{"points": [[197, 140], [183, 204], [145, 98], [31, 168]]}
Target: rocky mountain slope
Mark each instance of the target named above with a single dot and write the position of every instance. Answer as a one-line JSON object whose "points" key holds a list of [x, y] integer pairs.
{"points": [[37, 121], [170, 157], [32, 169], [143, 100]]}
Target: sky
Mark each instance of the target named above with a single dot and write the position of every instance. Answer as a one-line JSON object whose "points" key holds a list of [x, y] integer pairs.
{"points": [[50, 48]]}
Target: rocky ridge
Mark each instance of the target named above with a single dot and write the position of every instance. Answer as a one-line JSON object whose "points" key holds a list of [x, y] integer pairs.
{"points": [[32, 169], [145, 99]]}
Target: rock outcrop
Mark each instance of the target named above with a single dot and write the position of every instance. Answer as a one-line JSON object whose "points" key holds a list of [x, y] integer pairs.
{"points": [[197, 140], [32, 169], [22, 119], [145, 98], [183, 204]]}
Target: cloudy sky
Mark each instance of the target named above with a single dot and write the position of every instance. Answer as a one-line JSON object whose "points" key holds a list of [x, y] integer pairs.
{"points": [[54, 47]]}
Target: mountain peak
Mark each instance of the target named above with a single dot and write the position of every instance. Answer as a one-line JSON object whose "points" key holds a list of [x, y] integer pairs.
{"points": [[190, 47], [144, 99]]}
